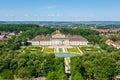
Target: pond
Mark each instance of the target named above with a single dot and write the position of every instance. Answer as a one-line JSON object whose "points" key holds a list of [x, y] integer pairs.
{"points": [[65, 54]]}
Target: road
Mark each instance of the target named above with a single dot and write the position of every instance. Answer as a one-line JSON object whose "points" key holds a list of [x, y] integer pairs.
{"points": [[67, 67]]}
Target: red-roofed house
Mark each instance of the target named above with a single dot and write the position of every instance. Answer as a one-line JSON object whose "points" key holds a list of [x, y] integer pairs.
{"points": [[109, 42], [2, 39], [115, 44]]}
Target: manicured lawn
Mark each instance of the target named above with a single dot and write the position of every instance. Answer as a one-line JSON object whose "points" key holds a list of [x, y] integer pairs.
{"points": [[31, 49], [91, 50], [73, 50], [48, 50], [60, 50]]}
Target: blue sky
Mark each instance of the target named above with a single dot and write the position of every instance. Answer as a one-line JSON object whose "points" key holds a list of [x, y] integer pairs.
{"points": [[60, 10]]}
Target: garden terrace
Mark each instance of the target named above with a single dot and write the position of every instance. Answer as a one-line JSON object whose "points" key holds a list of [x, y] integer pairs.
{"points": [[48, 50], [73, 50], [91, 50], [60, 50], [31, 49]]}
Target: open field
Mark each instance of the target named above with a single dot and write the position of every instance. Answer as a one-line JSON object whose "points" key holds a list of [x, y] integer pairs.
{"points": [[48, 50], [73, 50]]}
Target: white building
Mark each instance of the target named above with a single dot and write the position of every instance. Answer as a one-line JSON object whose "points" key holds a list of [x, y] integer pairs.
{"points": [[58, 39]]}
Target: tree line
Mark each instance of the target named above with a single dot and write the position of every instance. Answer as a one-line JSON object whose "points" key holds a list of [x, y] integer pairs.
{"points": [[15, 64], [92, 66]]}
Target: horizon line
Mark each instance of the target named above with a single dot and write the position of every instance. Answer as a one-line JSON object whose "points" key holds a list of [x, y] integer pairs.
{"points": [[58, 21]]}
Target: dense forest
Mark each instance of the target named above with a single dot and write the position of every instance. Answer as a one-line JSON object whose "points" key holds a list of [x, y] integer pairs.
{"points": [[95, 66], [29, 65]]}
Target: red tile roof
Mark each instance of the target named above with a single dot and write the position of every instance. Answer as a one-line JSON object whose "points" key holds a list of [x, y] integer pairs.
{"points": [[109, 41], [41, 38], [2, 39], [57, 32], [117, 44], [108, 30], [102, 30], [70, 37], [76, 38]]}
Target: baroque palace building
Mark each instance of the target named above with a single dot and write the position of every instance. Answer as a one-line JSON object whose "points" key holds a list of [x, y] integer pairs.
{"points": [[58, 39]]}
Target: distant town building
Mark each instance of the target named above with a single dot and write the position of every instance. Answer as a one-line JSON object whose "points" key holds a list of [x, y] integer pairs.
{"points": [[2, 39], [109, 42], [59, 39], [117, 77], [40, 78], [115, 44], [108, 30]]}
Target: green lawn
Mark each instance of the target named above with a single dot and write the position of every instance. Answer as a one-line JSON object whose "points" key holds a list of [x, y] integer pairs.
{"points": [[73, 50], [30, 49], [91, 50], [48, 50], [60, 50]]}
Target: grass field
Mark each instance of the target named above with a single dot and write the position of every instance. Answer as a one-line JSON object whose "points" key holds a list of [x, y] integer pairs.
{"points": [[73, 50], [48, 50]]}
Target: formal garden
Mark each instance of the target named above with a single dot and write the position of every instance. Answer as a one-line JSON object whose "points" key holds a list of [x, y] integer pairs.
{"points": [[91, 50], [30, 50], [73, 50], [52, 50], [60, 50], [48, 50]]}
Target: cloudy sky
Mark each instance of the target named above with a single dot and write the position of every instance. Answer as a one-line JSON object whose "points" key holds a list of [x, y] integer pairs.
{"points": [[59, 10]]}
